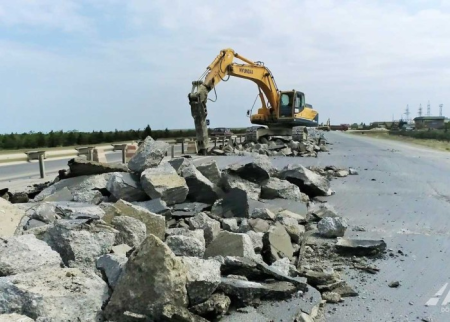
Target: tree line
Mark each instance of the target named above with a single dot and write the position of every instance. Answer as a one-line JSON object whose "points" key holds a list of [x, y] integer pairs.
{"points": [[34, 140]]}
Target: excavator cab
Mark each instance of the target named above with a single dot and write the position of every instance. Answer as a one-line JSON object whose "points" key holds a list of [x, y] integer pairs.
{"points": [[291, 103]]}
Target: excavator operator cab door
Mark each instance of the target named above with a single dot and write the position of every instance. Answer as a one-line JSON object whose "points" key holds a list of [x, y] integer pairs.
{"points": [[291, 103]]}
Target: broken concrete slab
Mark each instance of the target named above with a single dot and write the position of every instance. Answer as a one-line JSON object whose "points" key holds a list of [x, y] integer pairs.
{"points": [[156, 206], [153, 277], [80, 243], [246, 292], [126, 186], [234, 204], [230, 224], [75, 210], [332, 227], [317, 211], [211, 171], [263, 213], [197, 234], [230, 244], [24, 254], [277, 244], [131, 231], [185, 246], [89, 196], [155, 224], [360, 247], [164, 182], [258, 171], [309, 182], [258, 225], [201, 189], [10, 217], [256, 240], [210, 226], [230, 181], [19, 197], [299, 218], [76, 186], [292, 227], [213, 308], [277, 205], [203, 277], [112, 266], [63, 294], [276, 188], [149, 154], [331, 297], [179, 164], [121, 250], [316, 278], [81, 167]]}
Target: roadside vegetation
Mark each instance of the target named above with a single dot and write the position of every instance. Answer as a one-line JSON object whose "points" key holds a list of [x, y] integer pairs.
{"points": [[53, 139]]}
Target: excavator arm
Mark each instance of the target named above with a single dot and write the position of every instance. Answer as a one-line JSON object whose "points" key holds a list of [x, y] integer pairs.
{"points": [[221, 68]]}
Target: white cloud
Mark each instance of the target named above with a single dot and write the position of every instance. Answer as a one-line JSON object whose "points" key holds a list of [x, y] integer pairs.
{"points": [[355, 60]]}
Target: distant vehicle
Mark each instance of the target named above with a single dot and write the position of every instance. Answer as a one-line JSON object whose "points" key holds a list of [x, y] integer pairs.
{"points": [[221, 131]]}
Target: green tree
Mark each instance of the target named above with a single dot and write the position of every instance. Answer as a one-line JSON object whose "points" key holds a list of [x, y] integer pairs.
{"points": [[147, 132]]}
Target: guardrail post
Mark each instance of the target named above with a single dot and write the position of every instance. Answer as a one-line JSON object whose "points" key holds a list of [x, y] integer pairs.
{"points": [[223, 142], [182, 147], [215, 142], [172, 151], [41, 165], [124, 155]]}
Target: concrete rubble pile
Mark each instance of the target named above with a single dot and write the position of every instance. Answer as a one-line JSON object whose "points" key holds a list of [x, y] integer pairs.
{"points": [[171, 241], [276, 146]]}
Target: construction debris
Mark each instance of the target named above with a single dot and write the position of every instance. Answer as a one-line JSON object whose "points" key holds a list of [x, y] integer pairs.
{"points": [[210, 244]]}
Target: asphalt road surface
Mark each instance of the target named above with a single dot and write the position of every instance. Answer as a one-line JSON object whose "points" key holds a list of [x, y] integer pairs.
{"points": [[401, 195]]}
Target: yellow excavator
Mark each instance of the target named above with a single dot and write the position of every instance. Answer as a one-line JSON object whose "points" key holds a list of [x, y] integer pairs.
{"points": [[281, 111]]}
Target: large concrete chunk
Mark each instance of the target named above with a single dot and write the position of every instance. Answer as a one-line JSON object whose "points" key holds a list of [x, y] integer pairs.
{"points": [[79, 243], [203, 277], [153, 278], [75, 210], [74, 187], [63, 294], [112, 266], [256, 240], [126, 186], [131, 231], [231, 244], [14, 317], [23, 254], [332, 227], [82, 167], [197, 234], [276, 244], [234, 204], [262, 213], [276, 188], [292, 227], [179, 164], [210, 226], [258, 171], [246, 292], [211, 171], [185, 246], [258, 225], [10, 216], [201, 189], [318, 211], [155, 224], [309, 182], [149, 154], [360, 247], [180, 314], [230, 181], [44, 211], [164, 182]]}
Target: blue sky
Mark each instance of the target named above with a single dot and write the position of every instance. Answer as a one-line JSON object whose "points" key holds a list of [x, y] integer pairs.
{"points": [[107, 64]]}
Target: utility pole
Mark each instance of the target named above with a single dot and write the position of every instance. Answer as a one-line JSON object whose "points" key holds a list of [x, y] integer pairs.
{"points": [[420, 110], [428, 109], [440, 109], [407, 113]]}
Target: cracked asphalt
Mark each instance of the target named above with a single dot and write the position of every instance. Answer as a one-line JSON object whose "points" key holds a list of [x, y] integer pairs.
{"points": [[401, 195]]}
